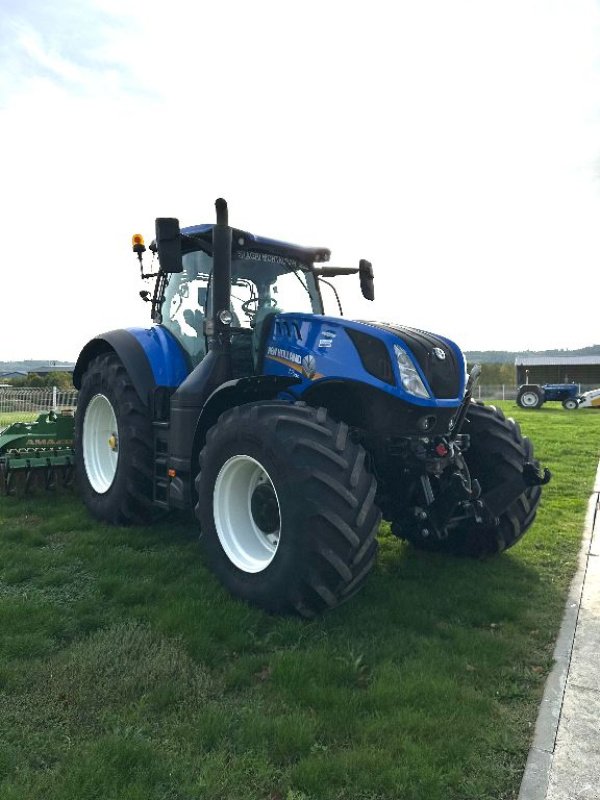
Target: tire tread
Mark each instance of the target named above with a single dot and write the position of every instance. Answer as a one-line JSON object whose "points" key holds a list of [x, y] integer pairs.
{"points": [[336, 518]]}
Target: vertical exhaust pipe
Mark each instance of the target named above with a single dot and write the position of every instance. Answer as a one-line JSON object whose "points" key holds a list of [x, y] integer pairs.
{"points": [[214, 369], [222, 237]]}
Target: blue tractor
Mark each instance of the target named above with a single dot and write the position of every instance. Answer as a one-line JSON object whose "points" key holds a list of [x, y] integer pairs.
{"points": [[288, 432], [531, 395]]}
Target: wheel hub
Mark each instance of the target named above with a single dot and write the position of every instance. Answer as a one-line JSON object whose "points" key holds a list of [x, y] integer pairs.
{"points": [[529, 399], [246, 513], [264, 507]]}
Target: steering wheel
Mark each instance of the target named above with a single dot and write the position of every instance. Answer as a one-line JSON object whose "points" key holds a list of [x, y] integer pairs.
{"points": [[250, 307]]}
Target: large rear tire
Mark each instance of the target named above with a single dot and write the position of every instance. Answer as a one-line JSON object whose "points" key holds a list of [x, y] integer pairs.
{"points": [[530, 396], [286, 507], [113, 445], [497, 453]]}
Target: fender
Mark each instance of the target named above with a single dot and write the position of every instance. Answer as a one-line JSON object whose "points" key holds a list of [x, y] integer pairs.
{"points": [[236, 393], [151, 356], [232, 393]]}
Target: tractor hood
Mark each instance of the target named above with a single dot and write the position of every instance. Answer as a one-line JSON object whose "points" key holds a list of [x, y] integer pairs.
{"points": [[440, 360], [321, 348]]}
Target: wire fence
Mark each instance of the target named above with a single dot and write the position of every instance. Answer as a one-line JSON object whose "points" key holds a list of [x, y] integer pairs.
{"points": [[24, 404]]}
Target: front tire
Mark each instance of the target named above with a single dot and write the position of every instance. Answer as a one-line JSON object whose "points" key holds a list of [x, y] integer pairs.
{"points": [[570, 404], [286, 507], [113, 445]]}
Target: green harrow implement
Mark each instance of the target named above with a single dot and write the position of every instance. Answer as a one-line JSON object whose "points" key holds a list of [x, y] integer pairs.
{"points": [[43, 448]]}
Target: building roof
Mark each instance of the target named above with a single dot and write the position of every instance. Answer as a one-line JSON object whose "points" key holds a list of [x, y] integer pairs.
{"points": [[558, 361]]}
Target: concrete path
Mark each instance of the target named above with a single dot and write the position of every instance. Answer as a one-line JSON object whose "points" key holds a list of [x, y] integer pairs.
{"points": [[564, 760]]}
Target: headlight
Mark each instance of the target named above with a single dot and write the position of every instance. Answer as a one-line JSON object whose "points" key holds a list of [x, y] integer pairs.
{"points": [[411, 381]]}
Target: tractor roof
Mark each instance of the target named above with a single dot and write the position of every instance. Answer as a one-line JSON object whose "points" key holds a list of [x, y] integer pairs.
{"points": [[203, 233]]}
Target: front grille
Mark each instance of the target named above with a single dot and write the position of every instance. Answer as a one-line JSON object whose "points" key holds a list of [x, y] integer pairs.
{"points": [[443, 376], [374, 355]]}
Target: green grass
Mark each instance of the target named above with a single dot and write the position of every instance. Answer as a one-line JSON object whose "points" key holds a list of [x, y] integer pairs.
{"points": [[8, 417], [127, 673]]}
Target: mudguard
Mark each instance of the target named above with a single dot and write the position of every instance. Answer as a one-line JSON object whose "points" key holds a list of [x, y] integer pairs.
{"points": [[241, 391], [151, 356]]}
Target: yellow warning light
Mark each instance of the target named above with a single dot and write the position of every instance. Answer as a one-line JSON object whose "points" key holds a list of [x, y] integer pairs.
{"points": [[137, 238]]}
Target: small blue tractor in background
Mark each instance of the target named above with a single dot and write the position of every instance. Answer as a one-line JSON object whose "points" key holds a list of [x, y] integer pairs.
{"points": [[288, 432], [531, 395]]}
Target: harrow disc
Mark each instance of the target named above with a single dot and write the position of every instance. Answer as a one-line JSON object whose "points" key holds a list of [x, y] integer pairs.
{"points": [[23, 473]]}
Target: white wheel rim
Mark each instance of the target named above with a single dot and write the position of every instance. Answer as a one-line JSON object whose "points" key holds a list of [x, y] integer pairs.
{"points": [[529, 399], [247, 513], [100, 443]]}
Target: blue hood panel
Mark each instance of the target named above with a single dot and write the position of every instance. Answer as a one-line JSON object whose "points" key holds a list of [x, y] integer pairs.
{"points": [[319, 348]]}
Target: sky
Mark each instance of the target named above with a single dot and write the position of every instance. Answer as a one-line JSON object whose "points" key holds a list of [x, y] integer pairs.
{"points": [[456, 145]]}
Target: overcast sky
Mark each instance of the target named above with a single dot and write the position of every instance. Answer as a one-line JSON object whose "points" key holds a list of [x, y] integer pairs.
{"points": [[454, 144]]}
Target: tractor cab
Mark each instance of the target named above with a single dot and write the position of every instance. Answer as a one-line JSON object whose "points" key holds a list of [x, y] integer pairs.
{"points": [[219, 288], [267, 277]]}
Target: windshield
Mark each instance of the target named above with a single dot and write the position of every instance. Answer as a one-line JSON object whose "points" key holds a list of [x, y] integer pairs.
{"points": [[261, 283]]}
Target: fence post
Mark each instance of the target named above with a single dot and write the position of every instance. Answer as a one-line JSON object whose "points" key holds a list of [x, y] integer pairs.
{"points": [[54, 399], [503, 391]]}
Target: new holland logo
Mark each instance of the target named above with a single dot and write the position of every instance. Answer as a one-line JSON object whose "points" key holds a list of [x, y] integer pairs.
{"points": [[439, 353], [309, 366]]}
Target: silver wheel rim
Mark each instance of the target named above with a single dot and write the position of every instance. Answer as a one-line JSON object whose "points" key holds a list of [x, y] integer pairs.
{"points": [[247, 513], [529, 399], [100, 443]]}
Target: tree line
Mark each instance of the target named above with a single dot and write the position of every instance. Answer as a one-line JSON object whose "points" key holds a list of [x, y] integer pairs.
{"points": [[496, 374], [62, 380]]}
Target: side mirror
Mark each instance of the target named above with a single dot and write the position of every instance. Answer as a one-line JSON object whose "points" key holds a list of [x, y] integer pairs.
{"points": [[168, 244], [365, 272]]}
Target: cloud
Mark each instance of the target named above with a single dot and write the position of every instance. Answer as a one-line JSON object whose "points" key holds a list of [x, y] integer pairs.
{"points": [[70, 45], [454, 144]]}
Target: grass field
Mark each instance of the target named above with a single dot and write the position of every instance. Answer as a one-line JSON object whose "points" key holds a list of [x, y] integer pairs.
{"points": [[126, 672], [8, 417]]}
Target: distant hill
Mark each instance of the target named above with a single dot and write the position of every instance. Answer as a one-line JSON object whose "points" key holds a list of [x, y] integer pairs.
{"points": [[472, 356], [32, 365], [508, 356]]}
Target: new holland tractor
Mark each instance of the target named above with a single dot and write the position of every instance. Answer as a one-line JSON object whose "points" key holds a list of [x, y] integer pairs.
{"points": [[288, 432]]}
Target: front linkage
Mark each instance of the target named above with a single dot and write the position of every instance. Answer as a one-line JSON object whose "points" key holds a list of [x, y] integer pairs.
{"points": [[446, 495]]}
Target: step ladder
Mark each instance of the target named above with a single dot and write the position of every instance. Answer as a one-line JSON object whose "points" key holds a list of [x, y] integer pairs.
{"points": [[160, 480]]}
